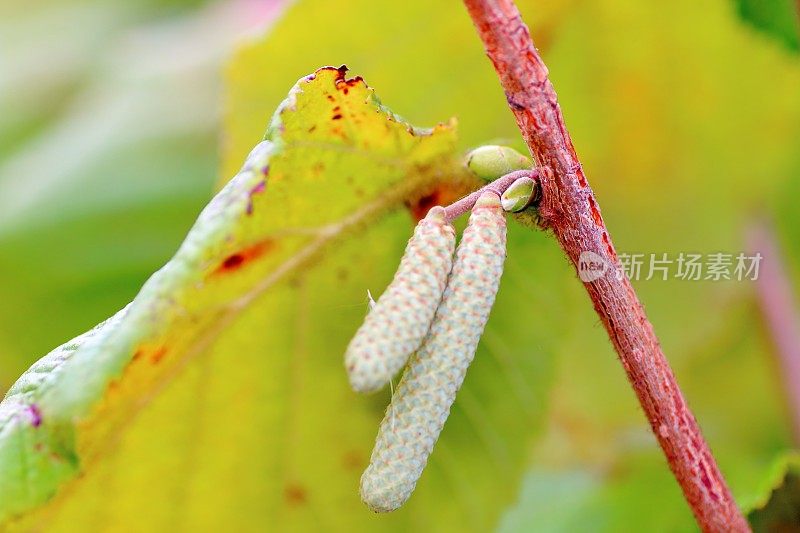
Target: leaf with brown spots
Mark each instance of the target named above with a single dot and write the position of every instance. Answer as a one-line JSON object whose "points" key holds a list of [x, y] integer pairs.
{"points": [[227, 368], [255, 292]]}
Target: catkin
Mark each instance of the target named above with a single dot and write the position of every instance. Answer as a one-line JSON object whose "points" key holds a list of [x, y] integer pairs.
{"points": [[399, 320], [422, 400]]}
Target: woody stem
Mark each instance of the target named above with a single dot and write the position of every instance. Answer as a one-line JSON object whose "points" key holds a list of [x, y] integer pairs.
{"points": [[568, 207]]}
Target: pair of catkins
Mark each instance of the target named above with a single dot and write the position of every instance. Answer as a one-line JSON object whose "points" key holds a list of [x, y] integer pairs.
{"points": [[430, 320]]}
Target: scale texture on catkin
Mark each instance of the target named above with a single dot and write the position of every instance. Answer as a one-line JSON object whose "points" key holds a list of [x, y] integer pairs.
{"points": [[422, 400], [402, 316]]}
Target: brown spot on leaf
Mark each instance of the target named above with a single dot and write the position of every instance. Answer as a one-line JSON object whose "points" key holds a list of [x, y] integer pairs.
{"points": [[243, 257], [444, 194], [295, 494], [158, 354], [152, 354], [337, 116], [421, 207], [352, 460], [233, 261], [343, 84]]}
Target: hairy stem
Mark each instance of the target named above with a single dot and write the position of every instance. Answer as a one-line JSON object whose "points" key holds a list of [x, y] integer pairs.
{"points": [[774, 291], [569, 209], [458, 208]]}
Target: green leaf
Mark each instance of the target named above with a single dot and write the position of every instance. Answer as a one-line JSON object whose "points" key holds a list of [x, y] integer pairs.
{"points": [[226, 370], [780, 19], [778, 506], [602, 499]]}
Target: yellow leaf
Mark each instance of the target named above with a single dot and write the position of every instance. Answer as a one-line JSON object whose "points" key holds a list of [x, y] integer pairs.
{"points": [[218, 397]]}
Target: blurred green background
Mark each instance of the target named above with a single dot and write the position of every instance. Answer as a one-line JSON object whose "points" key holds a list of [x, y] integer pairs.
{"points": [[108, 151], [686, 117]]}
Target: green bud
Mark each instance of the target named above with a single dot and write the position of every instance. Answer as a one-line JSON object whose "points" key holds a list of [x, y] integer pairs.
{"points": [[519, 195], [492, 161]]}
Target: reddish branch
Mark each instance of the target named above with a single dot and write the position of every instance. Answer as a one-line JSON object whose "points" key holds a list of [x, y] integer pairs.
{"points": [[780, 315], [568, 208]]}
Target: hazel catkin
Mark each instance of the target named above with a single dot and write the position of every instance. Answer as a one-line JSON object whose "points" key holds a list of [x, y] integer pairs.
{"points": [[422, 401], [400, 319]]}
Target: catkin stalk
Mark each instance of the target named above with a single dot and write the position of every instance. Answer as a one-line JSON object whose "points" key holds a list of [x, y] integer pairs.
{"points": [[400, 319], [422, 400]]}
